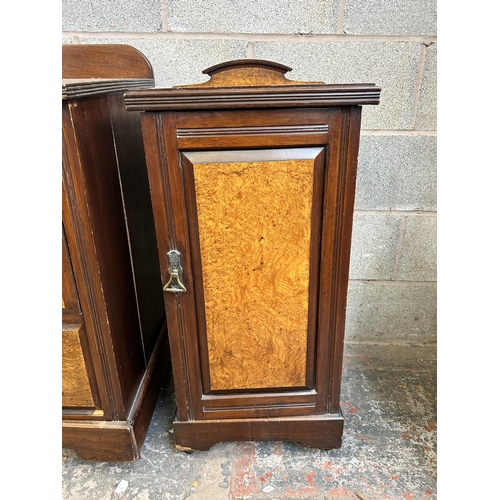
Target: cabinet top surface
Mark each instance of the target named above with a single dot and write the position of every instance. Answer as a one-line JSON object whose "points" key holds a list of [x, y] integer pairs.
{"points": [[251, 83]]}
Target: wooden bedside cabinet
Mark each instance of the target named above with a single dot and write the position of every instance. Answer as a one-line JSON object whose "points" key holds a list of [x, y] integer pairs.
{"points": [[114, 349], [252, 179]]}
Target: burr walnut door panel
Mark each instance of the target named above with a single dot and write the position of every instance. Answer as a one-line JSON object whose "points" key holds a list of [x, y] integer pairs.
{"points": [[255, 229], [253, 212]]}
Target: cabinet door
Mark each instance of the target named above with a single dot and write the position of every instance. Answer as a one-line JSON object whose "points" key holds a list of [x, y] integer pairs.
{"points": [[254, 206]]}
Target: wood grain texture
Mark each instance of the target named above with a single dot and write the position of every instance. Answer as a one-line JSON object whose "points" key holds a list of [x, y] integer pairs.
{"points": [[256, 97], [104, 61], [246, 73], [318, 431], [74, 88], [110, 277], [101, 441], [254, 222], [76, 389]]}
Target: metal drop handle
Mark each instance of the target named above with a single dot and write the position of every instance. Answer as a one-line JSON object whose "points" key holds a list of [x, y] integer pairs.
{"points": [[175, 284]]}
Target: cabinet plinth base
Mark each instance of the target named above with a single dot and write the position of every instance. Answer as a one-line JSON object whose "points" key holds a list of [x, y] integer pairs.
{"points": [[101, 441], [322, 432], [122, 440]]}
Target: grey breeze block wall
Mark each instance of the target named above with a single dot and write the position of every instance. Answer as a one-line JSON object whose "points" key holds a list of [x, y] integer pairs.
{"points": [[392, 43]]}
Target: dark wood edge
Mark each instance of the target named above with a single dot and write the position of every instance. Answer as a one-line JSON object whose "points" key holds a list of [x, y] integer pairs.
{"points": [[350, 158], [235, 399], [341, 247], [179, 305], [160, 152], [73, 89], [329, 250], [257, 63], [101, 441], [265, 404], [81, 413], [315, 264], [156, 372], [252, 97], [195, 271], [321, 432]]}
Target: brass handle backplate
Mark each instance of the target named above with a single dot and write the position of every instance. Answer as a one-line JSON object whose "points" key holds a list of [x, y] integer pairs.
{"points": [[175, 284]]}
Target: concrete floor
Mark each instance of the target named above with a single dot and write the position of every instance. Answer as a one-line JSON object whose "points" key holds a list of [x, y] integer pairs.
{"points": [[388, 451]]}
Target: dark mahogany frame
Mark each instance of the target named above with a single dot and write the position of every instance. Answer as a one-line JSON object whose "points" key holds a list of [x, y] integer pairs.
{"points": [[176, 122]]}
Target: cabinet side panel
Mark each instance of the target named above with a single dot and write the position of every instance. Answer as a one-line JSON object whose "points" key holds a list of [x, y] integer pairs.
{"points": [[138, 212], [82, 256], [254, 223], [348, 162], [97, 174]]}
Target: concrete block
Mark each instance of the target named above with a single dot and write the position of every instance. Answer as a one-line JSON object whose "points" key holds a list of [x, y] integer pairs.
{"points": [[388, 312], [390, 17], [426, 118], [374, 246], [180, 62], [418, 261], [391, 65], [119, 15], [397, 173], [257, 16]]}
